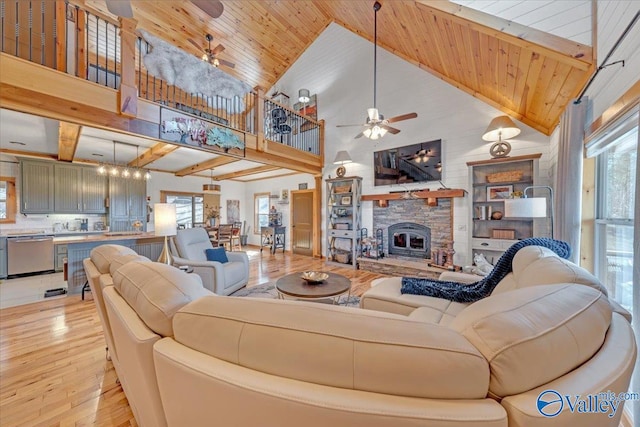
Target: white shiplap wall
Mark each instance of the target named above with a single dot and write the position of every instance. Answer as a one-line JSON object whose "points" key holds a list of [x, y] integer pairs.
{"points": [[613, 81], [570, 19], [338, 67]]}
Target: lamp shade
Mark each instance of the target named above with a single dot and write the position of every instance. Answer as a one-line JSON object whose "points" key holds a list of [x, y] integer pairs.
{"points": [[304, 95], [534, 207], [501, 127], [164, 218], [342, 157], [211, 188]]}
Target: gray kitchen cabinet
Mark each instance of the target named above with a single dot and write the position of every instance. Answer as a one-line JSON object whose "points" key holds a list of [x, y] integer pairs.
{"points": [[3, 257], [94, 191], [37, 187], [67, 188], [61, 254], [127, 202]]}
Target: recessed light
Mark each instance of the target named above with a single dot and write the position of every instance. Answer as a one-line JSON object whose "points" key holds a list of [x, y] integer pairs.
{"points": [[17, 143], [97, 155]]}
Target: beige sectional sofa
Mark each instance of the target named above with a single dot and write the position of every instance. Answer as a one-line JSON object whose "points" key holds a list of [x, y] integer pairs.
{"points": [[250, 362]]}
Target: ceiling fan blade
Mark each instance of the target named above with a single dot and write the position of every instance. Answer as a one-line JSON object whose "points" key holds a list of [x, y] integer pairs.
{"points": [[226, 63], [346, 126], [390, 129], [217, 49], [195, 44], [213, 8], [360, 135], [120, 8], [402, 117]]}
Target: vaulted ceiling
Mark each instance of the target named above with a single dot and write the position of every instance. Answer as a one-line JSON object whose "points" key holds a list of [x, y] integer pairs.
{"points": [[526, 73]]}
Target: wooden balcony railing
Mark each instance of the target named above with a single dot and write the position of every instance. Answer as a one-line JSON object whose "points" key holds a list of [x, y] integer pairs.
{"points": [[89, 45]]}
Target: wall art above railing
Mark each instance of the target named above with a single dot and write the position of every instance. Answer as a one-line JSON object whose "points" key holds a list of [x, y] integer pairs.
{"points": [[181, 128]]}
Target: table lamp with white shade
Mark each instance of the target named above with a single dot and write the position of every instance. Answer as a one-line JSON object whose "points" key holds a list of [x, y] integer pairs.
{"points": [[165, 224], [530, 207]]}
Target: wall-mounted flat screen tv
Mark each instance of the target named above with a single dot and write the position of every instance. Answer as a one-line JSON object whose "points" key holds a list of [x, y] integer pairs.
{"points": [[413, 163]]}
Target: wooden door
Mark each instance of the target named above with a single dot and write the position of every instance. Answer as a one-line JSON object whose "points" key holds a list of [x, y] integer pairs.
{"points": [[302, 222]]}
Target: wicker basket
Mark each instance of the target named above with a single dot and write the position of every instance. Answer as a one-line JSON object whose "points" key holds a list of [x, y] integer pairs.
{"points": [[343, 257], [504, 176], [342, 188]]}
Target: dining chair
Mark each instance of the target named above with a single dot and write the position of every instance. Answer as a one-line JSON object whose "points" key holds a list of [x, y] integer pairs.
{"points": [[225, 231]]}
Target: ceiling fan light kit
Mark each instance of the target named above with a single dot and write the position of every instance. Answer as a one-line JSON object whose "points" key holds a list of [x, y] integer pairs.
{"points": [[500, 128], [376, 125]]}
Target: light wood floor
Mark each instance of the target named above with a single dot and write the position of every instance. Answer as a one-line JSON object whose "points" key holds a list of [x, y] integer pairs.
{"points": [[53, 370]]}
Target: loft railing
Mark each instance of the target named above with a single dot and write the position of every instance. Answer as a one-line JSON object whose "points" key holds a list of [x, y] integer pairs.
{"points": [[88, 45], [285, 125]]}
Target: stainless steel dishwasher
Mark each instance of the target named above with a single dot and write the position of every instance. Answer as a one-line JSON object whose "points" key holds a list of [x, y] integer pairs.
{"points": [[29, 254]]}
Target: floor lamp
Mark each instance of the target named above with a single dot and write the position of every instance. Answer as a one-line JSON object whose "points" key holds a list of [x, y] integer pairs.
{"points": [[165, 224], [530, 207]]}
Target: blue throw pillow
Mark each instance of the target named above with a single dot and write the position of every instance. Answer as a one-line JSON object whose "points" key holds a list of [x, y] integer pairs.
{"points": [[217, 254]]}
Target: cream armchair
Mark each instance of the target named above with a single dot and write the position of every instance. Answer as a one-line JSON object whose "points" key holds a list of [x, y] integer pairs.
{"points": [[188, 248]]}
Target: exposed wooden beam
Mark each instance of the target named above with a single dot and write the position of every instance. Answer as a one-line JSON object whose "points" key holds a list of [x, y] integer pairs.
{"points": [[68, 137], [566, 51], [152, 154], [275, 160], [209, 164], [245, 172]]}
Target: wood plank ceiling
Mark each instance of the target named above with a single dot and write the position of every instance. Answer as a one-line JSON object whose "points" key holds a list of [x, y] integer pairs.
{"points": [[528, 74]]}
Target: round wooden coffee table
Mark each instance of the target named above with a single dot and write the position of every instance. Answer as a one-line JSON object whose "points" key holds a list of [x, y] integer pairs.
{"points": [[293, 286]]}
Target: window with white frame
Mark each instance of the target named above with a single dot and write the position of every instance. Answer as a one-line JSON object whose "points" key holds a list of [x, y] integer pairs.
{"points": [[615, 189], [261, 210], [617, 181]]}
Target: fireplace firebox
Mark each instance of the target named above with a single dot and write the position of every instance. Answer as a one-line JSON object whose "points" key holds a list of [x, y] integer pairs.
{"points": [[409, 239]]}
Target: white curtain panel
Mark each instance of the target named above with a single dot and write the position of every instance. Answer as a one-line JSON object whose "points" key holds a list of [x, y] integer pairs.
{"points": [[568, 186], [635, 385]]}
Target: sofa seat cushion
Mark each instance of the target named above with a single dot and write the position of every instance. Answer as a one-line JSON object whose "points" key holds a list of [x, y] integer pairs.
{"points": [[435, 315], [335, 346], [534, 335], [386, 296], [536, 265], [156, 292], [102, 255]]}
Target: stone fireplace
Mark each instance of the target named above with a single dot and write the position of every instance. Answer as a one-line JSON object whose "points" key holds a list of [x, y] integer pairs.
{"points": [[409, 239], [412, 229]]}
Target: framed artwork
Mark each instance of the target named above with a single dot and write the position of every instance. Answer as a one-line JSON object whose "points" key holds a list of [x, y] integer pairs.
{"points": [[233, 211], [499, 192], [345, 200], [284, 195], [302, 186]]}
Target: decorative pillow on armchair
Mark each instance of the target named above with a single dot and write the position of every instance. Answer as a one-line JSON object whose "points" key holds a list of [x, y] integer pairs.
{"points": [[217, 254]]}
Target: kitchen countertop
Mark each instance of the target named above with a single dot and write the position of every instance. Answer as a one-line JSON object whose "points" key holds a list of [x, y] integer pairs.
{"points": [[103, 237]]}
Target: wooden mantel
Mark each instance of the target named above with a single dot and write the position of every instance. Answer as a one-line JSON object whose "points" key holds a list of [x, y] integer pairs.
{"points": [[431, 196]]}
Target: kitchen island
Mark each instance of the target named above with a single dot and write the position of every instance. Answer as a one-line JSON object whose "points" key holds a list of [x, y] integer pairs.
{"points": [[79, 248]]}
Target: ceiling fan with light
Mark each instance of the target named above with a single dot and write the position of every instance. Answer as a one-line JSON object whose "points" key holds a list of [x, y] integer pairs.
{"points": [[211, 55], [376, 126]]}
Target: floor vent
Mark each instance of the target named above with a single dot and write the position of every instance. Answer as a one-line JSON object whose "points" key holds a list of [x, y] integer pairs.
{"points": [[54, 292]]}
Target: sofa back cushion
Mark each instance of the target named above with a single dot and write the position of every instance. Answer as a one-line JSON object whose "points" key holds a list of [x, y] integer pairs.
{"points": [[102, 255], [534, 335], [536, 265], [121, 260], [192, 243], [335, 346], [156, 292]]}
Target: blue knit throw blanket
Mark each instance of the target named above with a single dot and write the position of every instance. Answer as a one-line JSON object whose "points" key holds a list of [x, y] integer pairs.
{"points": [[461, 292]]}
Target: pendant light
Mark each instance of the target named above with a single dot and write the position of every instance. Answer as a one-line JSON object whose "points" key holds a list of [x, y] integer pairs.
{"points": [[211, 188]]}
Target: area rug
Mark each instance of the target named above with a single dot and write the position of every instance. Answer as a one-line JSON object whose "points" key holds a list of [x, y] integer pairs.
{"points": [[268, 290]]}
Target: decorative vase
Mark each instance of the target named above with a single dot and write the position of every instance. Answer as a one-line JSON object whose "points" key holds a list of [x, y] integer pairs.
{"points": [[212, 222]]}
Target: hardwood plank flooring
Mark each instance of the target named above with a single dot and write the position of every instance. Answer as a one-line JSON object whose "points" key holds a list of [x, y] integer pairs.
{"points": [[53, 370]]}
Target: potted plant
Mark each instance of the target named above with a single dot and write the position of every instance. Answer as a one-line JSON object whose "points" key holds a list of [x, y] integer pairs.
{"points": [[212, 214]]}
